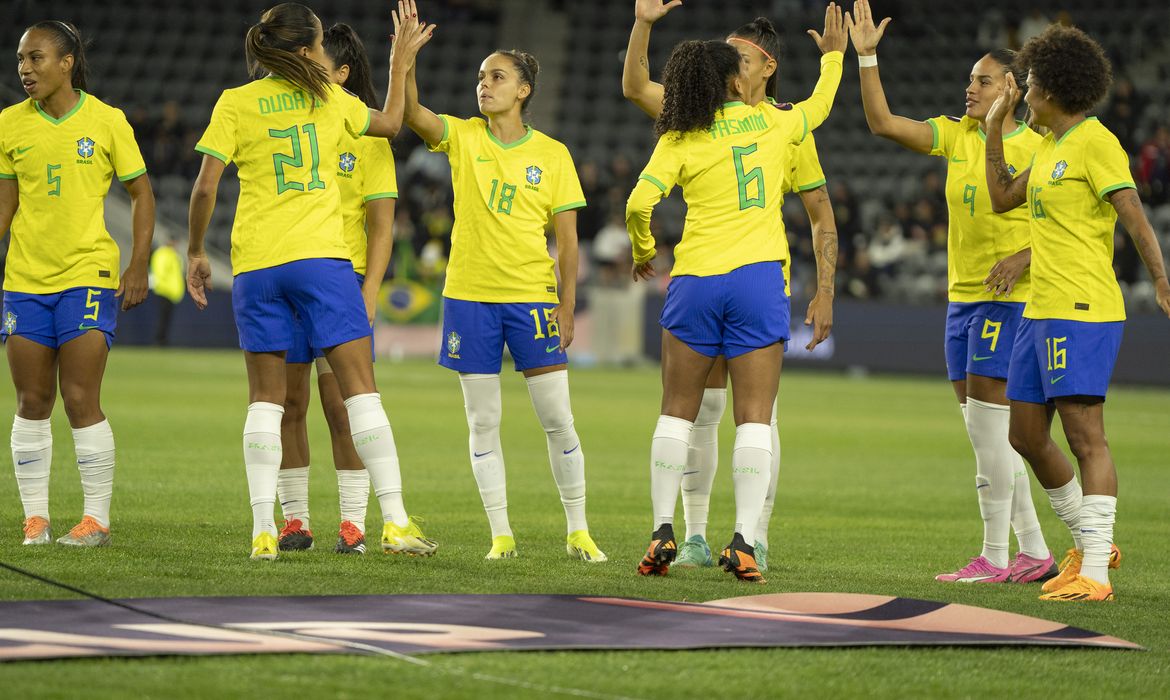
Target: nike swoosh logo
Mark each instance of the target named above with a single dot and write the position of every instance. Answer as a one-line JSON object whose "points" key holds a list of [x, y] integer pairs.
{"points": [[23, 462], [1053, 381], [689, 473], [83, 327], [481, 159], [982, 486], [20, 150], [572, 450], [977, 358], [95, 459], [482, 454], [553, 348], [958, 160]]}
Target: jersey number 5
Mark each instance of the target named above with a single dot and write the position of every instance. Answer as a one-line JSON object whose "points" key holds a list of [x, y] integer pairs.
{"points": [[280, 160], [745, 179], [54, 180]]}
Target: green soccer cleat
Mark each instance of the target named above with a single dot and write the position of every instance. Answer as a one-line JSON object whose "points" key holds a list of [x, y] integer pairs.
{"points": [[264, 547], [761, 556], [503, 547], [694, 553], [87, 533], [407, 540], [580, 545]]}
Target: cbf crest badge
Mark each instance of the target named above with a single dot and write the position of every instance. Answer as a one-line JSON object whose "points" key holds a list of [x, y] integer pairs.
{"points": [[346, 162], [532, 174], [453, 343], [1058, 171], [9, 323], [85, 147]]}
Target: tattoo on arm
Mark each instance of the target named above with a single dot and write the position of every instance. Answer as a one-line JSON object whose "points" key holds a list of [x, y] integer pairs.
{"points": [[642, 61], [826, 254], [1133, 216]]}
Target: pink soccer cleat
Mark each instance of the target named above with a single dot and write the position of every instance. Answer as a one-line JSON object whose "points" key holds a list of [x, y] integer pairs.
{"points": [[1026, 569], [978, 571]]}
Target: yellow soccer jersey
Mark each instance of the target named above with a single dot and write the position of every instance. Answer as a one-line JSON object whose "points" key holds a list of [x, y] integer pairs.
{"points": [[505, 199], [290, 205], [732, 177], [1073, 222], [365, 171], [63, 169], [806, 172], [977, 237]]}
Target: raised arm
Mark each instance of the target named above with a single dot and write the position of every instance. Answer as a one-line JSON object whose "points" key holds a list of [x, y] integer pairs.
{"points": [[832, 44], [913, 134], [1133, 218], [198, 218], [410, 35], [1007, 191], [636, 84], [565, 227], [135, 279]]}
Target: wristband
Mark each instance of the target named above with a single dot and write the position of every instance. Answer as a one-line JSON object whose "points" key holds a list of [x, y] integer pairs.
{"points": [[867, 61]]}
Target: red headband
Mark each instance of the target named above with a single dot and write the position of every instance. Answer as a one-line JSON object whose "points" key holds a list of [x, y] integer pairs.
{"points": [[751, 43]]}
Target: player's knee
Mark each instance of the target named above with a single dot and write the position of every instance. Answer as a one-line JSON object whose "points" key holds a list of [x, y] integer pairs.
{"points": [[35, 404], [1028, 446], [483, 419], [1086, 446], [336, 417]]}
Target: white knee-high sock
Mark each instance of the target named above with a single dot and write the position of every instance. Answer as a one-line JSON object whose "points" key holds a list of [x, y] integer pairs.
{"points": [[32, 457], [1097, 516], [566, 457], [481, 403], [987, 426], [292, 488], [1024, 520], [374, 441], [702, 462], [353, 491], [262, 451], [750, 472], [668, 460], [94, 446], [774, 479], [1066, 501]]}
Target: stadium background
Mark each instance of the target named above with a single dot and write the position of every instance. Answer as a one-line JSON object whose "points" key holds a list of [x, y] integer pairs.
{"points": [[166, 64]]}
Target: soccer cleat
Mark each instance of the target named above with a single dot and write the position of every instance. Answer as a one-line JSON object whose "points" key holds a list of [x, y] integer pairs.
{"points": [[503, 547], [1081, 588], [36, 531], [693, 553], [408, 539], [264, 547], [87, 533], [740, 559], [660, 553], [294, 536], [580, 545], [350, 540], [1026, 569], [761, 556], [1070, 568], [979, 570]]}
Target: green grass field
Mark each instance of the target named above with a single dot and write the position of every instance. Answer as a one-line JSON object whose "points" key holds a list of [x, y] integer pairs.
{"points": [[875, 497]]}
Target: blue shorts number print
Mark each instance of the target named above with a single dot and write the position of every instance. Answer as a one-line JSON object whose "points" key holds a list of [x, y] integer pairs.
{"points": [[1054, 358], [980, 336], [730, 314], [301, 351], [318, 291], [474, 334], [54, 319]]}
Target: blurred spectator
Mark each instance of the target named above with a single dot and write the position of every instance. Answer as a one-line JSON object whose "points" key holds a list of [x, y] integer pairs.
{"points": [[1154, 168], [590, 218], [1124, 112], [1032, 25]]}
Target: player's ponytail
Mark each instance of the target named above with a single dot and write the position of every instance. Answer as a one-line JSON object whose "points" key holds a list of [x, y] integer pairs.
{"points": [[271, 47], [345, 48], [762, 34], [69, 43], [695, 85], [527, 68]]}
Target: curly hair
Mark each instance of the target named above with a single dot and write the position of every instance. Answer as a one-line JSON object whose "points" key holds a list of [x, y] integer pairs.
{"points": [[1069, 66], [695, 85], [761, 32]]}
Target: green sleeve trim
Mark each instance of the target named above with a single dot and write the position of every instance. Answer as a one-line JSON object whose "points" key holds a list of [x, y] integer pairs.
{"points": [[446, 128], [567, 207], [131, 176], [214, 154], [804, 116], [1114, 188], [369, 119], [380, 195], [7, 176], [811, 185], [934, 130], [653, 181]]}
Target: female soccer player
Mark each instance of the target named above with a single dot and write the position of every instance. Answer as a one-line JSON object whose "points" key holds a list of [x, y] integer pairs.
{"points": [[1076, 187], [510, 183], [984, 310], [366, 180], [59, 150], [759, 48], [289, 256], [729, 158]]}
